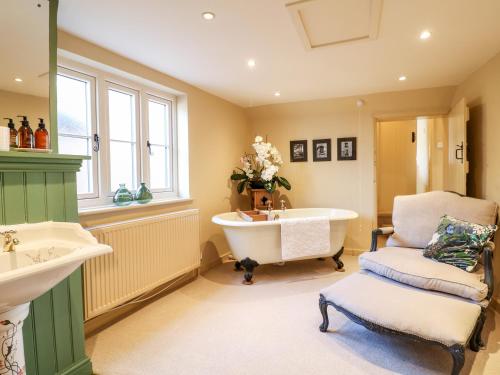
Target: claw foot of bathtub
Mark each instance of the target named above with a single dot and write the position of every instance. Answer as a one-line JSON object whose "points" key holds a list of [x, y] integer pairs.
{"points": [[336, 258], [248, 278], [249, 265]]}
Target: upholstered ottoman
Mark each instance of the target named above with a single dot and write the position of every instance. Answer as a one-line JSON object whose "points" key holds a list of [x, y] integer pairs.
{"points": [[389, 307]]}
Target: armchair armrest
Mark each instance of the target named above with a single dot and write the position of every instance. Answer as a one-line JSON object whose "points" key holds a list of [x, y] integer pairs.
{"points": [[379, 232], [488, 268]]}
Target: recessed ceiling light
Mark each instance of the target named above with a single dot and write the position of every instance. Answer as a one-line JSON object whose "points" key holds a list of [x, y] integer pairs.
{"points": [[209, 16], [277, 93], [18, 79], [402, 78], [251, 63], [426, 34]]}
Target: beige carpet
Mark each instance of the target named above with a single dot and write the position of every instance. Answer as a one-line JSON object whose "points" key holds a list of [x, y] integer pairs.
{"points": [[216, 325]]}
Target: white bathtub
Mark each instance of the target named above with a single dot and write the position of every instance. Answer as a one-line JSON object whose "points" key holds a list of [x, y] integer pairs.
{"points": [[261, 240]]}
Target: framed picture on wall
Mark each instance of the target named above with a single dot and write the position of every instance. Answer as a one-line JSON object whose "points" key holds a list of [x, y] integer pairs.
{"points": [[346, 148], [322, 149], [298, 150]]}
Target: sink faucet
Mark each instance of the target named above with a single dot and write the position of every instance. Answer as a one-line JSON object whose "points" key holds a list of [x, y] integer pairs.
{"points": [[283, 205], [9, 241]]}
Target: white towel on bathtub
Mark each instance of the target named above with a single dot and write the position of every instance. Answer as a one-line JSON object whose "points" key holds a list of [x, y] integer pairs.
{"points": [[305, 237]]}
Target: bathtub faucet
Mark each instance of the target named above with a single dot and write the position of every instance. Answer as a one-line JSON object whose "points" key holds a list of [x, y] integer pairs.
{"points": [[269, 208], [283, 205]]}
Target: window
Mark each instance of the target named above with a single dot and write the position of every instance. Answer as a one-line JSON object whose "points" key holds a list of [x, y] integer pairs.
{"points": [[122, 137], [159, 142], [128, 129], [76, 124]]}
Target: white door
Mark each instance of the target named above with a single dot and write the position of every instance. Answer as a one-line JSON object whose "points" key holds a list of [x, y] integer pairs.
{"points": [[458, 165]]}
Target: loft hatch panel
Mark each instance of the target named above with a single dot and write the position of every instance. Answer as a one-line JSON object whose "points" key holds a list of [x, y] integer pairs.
{"points": [[323, 23]]}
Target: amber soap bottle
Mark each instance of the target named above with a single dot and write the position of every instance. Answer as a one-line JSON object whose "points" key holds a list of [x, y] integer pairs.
{"points": [[13, 132], [41, 136], [25, 134]]}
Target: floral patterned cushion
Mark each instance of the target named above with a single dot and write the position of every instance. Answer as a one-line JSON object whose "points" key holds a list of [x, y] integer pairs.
{"points": [[459, 243]]}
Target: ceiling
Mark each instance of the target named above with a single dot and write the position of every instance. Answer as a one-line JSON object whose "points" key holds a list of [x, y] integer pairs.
{"points": [[25, 46], [172, 37]]}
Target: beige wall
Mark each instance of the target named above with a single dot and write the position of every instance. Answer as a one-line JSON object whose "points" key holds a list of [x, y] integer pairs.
{"points": [[396, 166], [342, 184], [482, 93], [13, 104], [218, 133]]}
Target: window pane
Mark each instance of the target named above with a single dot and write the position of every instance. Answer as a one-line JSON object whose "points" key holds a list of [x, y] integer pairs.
{"points": [[73, 106], [79, 146], [122, 165], [158, 123], [159, 168], [121, 116]]}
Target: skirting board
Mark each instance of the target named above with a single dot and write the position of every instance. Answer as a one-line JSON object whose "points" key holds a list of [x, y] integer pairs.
{"points": [[226, 256], [84, 367], [354, 251], [208, 265]]}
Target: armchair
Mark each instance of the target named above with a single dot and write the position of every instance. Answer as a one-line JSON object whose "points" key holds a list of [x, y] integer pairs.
{"points": [[400, 292]]}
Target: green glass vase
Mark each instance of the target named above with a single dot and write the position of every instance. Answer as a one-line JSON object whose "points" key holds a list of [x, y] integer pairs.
{"points": [[123, 197], [143, 194]]}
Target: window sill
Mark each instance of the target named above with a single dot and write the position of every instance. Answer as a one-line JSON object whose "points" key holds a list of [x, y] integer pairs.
{"points": [[84, 211]]}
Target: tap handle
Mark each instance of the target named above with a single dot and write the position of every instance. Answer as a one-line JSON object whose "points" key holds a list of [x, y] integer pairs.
{"points": [[10, 231]]}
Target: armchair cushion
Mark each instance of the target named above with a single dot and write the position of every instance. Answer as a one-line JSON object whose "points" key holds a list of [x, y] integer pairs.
{"points": [[459, 243], [408, 266], [416, 217]]}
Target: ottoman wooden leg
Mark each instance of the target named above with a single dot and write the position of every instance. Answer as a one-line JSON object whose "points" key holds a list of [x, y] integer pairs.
{"points": [[323, 307]]}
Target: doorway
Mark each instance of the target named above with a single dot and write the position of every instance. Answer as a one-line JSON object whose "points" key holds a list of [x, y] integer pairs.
{"points": [[412, 157]]}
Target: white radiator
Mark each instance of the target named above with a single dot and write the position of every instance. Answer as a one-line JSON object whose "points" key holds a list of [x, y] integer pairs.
{"points": [[147, 252]]}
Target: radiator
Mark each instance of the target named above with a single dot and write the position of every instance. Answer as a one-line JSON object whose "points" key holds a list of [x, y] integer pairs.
{"points": [[147, 252]]}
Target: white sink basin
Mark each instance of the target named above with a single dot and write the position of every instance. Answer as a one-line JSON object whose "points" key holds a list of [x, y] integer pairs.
{"points": [[46, 254]]}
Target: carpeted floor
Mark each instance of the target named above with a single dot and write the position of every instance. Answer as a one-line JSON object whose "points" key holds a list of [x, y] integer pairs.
{"points": [[215, 325]]}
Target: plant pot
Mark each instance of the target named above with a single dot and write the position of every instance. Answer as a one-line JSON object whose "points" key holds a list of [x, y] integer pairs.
{"points": [[256, 185], [123, 197]]}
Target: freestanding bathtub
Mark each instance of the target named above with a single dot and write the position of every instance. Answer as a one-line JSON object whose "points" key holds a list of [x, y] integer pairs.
{"points": [[259, 242]]}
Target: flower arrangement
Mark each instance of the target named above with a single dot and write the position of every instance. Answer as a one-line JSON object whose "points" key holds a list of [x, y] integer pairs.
{"points": [[260, 169]]}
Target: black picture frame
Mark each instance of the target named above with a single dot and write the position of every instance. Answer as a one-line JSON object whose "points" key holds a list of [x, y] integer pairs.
{"points": [[322, 149], [346, 148], [298, 151]]}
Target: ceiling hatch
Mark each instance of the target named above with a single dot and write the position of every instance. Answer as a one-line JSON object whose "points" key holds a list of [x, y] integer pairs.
{"points": [[323, 23]]}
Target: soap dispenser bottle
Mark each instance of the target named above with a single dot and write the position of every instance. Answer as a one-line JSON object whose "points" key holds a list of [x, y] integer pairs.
{"points": [[13, 132], [41, 136], [25, 134]]}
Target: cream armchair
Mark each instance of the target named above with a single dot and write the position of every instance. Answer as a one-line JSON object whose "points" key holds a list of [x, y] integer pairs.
{"points": [[400, 292]]}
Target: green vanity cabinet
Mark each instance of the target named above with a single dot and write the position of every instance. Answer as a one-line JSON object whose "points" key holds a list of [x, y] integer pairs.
{"points": [[34, 188]]}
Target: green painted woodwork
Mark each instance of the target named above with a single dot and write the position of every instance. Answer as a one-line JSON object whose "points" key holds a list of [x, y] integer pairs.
{"points": [[43, 187]]}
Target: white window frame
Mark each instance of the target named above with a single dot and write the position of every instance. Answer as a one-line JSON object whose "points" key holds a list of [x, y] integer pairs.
{"points": [[110, 190], [172, 147], [142, 91], [73, 74]]}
